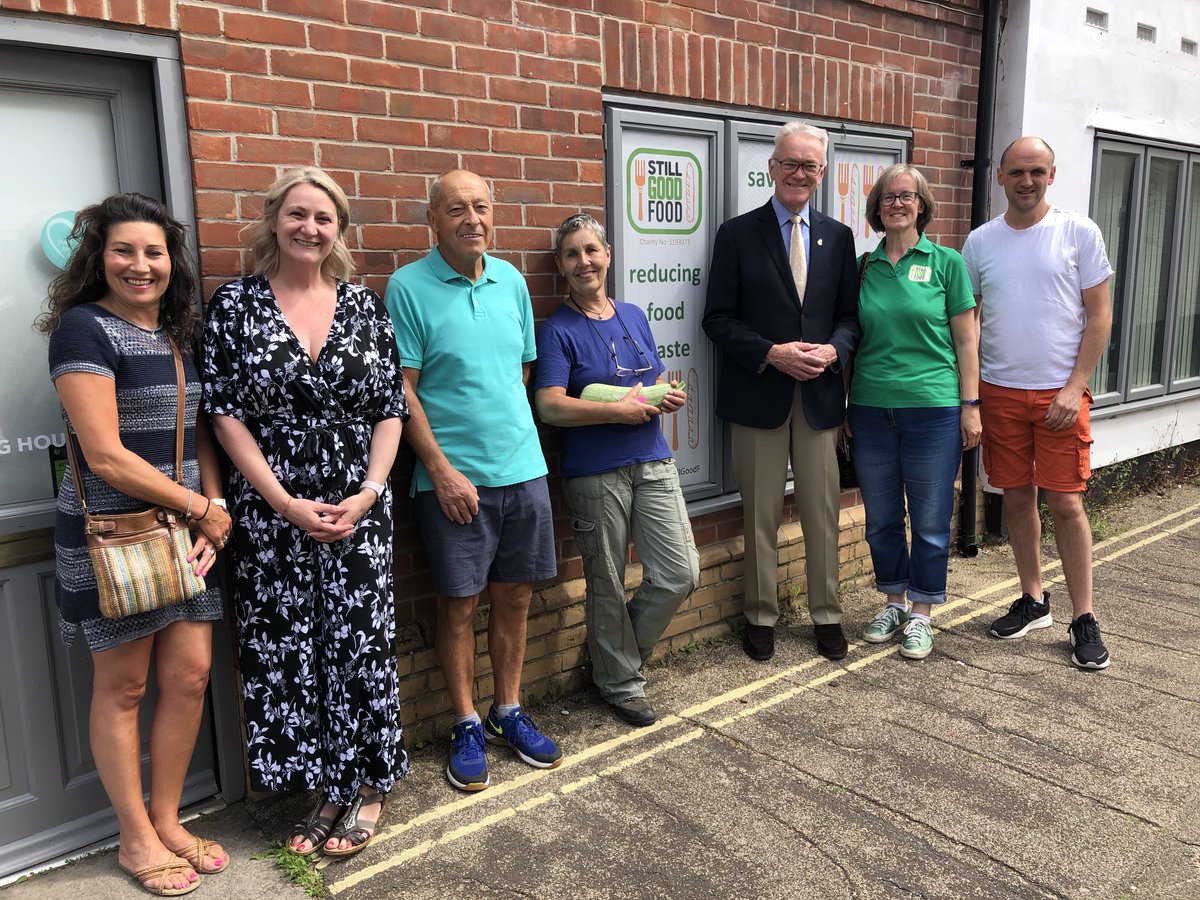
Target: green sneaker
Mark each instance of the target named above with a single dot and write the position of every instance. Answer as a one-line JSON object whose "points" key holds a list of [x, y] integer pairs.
{"points": [[916, 641], [884, 625]]}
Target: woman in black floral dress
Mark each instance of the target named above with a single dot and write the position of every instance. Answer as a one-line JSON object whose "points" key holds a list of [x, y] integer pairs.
{"points": [[302, 381]]}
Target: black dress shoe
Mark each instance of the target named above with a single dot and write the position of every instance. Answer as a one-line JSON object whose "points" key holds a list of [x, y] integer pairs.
{"points": [[637, 711], [831, 641], [759, 642]]}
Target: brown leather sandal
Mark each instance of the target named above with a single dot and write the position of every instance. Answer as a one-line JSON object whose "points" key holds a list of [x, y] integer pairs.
{"points": [[197, 852], [162, 872], [315, 829], [349, 829]]}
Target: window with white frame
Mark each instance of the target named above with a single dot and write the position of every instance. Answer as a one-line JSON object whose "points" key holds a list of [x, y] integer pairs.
{"points": [[1146, 200]]}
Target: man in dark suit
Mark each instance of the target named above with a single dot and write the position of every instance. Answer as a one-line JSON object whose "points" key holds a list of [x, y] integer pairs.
{"points": [[782, 310]]}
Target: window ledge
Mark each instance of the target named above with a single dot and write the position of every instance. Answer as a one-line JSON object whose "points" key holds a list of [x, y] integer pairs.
{"points": [[1118, 409]]}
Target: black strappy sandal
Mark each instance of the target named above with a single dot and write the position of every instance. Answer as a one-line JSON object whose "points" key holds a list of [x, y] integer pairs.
{"points": [[315, 829], [349, 829]]}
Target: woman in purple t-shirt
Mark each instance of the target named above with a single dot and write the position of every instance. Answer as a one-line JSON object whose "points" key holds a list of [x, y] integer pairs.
{"points": [[618, 475]]}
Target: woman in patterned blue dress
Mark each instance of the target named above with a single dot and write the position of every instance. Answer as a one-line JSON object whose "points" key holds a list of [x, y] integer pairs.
{"points": [[302, 380], [126, 294]]}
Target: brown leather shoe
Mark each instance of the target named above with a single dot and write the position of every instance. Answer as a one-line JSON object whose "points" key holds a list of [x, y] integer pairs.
{"points": [[831, 641], [759, 641]]}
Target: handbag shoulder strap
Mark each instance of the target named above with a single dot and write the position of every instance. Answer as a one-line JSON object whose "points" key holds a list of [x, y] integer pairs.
{"points": [[181, 399], [75, 476], [180, 402]]}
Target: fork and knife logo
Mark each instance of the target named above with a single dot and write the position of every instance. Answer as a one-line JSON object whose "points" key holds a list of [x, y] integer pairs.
{"points": [[854, 179], [639, 179]]}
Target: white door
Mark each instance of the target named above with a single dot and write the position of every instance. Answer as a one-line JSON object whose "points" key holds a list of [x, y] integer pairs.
{"points": [[74, 128]]}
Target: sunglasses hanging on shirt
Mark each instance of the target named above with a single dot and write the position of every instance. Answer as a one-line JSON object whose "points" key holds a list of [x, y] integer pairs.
{"points": [[619, 371]]}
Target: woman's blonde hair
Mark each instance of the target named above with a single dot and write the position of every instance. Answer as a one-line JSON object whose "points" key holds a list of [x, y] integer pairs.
{"points": [[924, 191], [265, 246]]}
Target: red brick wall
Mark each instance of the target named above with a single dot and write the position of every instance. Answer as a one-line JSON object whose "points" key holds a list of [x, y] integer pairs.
{"points": [[385, 95]]}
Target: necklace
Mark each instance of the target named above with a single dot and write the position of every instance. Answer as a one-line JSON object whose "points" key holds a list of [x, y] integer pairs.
{"points": [[586, 313], [152, 330]]}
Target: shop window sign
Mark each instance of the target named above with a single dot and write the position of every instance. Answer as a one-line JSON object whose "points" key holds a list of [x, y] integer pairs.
{"points": [[673, 177]]}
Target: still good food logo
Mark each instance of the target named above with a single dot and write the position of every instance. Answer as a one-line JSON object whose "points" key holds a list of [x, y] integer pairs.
{"points": [[663, 191]]}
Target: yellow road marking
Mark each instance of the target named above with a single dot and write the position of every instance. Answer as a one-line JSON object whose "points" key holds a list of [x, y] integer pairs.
{"points": [[606, 747], [582, 756], [1097, 561]]}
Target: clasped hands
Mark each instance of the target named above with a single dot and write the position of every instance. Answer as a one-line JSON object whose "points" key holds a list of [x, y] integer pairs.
{"points": [[802, 360], [328, 522]]}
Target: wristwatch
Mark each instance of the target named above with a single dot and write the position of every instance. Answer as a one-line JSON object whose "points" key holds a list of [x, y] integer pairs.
{"points": [[971, 402]]}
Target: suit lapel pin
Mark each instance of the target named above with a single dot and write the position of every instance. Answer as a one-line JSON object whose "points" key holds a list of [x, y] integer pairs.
{"points": [[820, 242]]}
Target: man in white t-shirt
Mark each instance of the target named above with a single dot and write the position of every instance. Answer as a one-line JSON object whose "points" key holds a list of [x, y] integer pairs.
{"points": [[1041, 281]]}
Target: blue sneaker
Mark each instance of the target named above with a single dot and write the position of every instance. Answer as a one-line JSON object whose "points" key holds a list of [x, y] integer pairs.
{"points": [[519, 732], [467, 769]]}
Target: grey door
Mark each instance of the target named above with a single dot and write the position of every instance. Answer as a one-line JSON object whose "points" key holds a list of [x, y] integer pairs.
{"points": [[73, 129]]}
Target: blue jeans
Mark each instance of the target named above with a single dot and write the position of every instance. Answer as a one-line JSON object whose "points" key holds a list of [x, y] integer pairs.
{"points": [[913, 453]]}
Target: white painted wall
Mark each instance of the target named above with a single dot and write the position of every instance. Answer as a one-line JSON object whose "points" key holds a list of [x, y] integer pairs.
{"points": [[1136, 431], [1062, 79], [1011, 74]]}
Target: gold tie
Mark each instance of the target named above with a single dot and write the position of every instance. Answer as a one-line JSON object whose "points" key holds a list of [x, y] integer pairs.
{"points": [[797, 260]]}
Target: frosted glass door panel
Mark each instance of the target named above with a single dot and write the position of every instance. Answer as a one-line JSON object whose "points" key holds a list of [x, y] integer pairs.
{"points": [[67, 156]]}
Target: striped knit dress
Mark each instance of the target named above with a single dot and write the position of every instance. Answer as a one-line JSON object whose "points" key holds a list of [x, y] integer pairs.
{"points": [[90, 339]]}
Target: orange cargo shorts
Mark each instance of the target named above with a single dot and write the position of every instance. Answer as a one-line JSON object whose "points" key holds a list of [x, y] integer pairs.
{"points": [[1019, 449]]}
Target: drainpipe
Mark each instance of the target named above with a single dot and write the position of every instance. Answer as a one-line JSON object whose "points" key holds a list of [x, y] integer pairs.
{"points": [[980, 188]]}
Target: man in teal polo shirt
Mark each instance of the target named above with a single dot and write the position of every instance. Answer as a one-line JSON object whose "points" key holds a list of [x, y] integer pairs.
{"points": [[464, 326]]}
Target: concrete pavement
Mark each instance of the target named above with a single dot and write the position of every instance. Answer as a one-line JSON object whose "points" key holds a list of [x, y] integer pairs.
{"points": [[992, 769]]}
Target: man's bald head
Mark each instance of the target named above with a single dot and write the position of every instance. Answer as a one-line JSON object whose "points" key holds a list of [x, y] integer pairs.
{"points": [[1027, 143]]}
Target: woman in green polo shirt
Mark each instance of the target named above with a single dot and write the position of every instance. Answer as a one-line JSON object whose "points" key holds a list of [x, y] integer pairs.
{"points": [[914, 403]]}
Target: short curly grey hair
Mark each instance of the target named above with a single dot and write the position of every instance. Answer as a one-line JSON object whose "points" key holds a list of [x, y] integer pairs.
{"points": [[574, 223]]}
